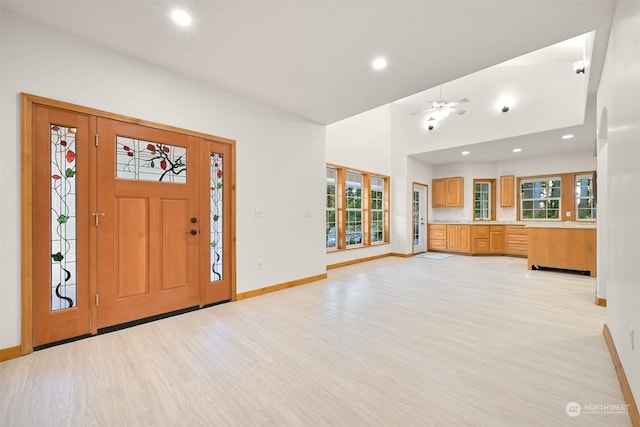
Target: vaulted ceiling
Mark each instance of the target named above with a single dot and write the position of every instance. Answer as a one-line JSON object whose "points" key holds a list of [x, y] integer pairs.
{"points": [[312, 58]]}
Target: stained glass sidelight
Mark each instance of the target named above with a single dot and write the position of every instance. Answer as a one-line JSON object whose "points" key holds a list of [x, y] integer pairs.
{"points": [[416, 218], [150, 161], [216, 176], [63, 217]]}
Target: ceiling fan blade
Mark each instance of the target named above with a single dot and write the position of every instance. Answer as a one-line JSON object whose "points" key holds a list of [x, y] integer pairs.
{"points": [[458, 102], [459, 112], [423, 111], [437, 104]]}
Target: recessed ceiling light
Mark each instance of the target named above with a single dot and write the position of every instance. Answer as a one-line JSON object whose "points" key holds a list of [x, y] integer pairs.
{"points": [[379, 63], [517, 150], [568, 136], [465, 153], [181, 17]]}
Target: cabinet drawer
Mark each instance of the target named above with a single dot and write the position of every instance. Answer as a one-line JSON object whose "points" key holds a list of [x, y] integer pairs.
{"points": [[515, 229], [480, 245], [495, 228], [510, 238], [438, 244], [437, 233], [514, 248], [480, 231]]}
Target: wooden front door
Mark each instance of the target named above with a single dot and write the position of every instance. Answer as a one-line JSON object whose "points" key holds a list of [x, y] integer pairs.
{"points": [[148, 222], [121, 220]]}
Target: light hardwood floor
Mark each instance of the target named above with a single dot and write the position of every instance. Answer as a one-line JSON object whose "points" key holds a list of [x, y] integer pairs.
{"points": [[392, 342]]}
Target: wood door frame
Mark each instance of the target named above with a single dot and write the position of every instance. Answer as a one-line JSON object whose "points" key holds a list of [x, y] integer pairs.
{"points": [[26, 193], [426, 215]]}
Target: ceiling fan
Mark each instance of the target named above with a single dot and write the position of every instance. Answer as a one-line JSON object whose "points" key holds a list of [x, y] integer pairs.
{"points": [[441, 108]]}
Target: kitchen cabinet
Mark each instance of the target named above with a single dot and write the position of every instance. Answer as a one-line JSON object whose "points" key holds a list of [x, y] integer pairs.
{"points": [[438, 237], [516, 240], [506, 191], [459, 238], [480, 239], [487, 239], [447, 192], [496, 239], [564, 248]]}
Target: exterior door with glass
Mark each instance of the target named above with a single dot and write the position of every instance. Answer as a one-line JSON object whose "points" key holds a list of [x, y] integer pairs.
{"points": [[148, 222], [419, 211], [126, 221]]}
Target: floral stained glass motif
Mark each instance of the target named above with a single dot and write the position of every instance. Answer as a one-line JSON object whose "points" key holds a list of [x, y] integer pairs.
{"points": [[216, 191], [63, 217], [150, 161]]}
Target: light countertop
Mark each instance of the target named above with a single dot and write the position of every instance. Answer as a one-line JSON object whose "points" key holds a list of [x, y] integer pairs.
{"points": [[528, 224]]}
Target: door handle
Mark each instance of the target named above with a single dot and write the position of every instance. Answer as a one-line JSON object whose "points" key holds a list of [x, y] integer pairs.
{"points": [[194, 220], [194, 232]]}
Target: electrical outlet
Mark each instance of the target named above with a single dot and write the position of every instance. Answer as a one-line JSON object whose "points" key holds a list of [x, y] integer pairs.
{"points": [[259, 265], [567, 214], [309, 213], [632, 338], [259, 213]]}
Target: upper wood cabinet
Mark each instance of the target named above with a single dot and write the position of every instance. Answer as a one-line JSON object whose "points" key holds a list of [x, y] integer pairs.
{"points": [[448, 193], [506, 191]]}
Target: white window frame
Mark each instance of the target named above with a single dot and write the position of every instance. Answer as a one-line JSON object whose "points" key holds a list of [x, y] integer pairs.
{"points": [[589, 198], [331, 233], [377, 209], [354, 231], [485, 210], [545, 197]]}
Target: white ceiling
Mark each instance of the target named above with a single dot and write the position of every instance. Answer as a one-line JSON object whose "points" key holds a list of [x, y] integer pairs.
{"points": [[312, 58]]}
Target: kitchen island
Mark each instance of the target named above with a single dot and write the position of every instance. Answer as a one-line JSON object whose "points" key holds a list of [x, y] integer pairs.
{"points": [[563, 245]]}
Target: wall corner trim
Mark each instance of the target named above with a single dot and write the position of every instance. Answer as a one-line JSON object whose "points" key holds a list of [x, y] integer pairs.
{"points": [[10, 353], [622, 378]]}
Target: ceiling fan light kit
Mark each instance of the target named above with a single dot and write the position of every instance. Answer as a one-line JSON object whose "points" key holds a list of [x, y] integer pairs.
{"points": [[441, 109]]}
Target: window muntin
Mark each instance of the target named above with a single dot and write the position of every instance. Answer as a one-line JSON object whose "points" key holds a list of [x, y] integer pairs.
{"points": [[357, 208], [331, 234], [585, 201], [482, 200], [377, 209], [540, 198], [354, 210]]}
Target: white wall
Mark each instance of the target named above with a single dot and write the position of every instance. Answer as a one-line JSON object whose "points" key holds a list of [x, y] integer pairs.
{"points": [[406, 171], [618, 94], [278, 155], [361, 142], [543, 97]]}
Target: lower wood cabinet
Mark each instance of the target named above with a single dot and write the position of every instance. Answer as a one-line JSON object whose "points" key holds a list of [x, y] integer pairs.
{"points": [[516, 240], [450, 237], [479, 239], [437, 237], [459, 238], [496, 239], [487, 239]]}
